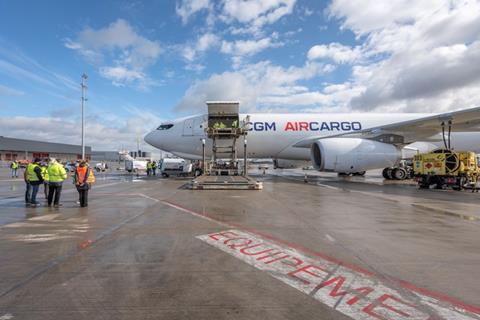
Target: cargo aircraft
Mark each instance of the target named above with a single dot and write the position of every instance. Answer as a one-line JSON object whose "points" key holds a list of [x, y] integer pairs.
{"points": [[336, 142]]}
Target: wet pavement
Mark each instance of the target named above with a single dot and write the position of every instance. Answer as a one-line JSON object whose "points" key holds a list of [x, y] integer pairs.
{"points": [[151, 249]]}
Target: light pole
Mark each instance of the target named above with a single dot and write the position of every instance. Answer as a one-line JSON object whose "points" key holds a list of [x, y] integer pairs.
{"points": [[84, 89]]}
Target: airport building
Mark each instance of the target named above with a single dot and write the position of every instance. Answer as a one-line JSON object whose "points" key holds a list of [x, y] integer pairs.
{"points": [[21, 149], [106, 156]]}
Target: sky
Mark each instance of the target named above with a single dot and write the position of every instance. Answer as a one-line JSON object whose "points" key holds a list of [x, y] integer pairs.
{"points": [[151, 61]]}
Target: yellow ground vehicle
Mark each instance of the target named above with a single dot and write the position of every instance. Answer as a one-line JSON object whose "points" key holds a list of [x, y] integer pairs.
{"points": [[446, 168]]}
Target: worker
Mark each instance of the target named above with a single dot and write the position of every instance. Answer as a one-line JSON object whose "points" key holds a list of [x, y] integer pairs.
{"points": [[235, 124], [57, 174], [219, 125], [154, 168], [33, 178], [44, 169], [83, 180], [14, 166], [149, 167]]}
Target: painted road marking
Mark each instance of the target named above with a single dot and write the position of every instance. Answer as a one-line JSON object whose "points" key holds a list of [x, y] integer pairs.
{"points": [[329, 238], [357, 294]]}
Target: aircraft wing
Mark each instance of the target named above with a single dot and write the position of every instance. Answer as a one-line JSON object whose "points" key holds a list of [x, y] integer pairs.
{"points": [[406, 132]]}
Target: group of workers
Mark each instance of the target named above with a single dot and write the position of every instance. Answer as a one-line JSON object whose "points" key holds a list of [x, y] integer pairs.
{"points": [[221, 125], [152, 168], [52, 174]]}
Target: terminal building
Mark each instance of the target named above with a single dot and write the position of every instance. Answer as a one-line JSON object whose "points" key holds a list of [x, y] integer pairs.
{"points": [[106, 156], [21, 149]]}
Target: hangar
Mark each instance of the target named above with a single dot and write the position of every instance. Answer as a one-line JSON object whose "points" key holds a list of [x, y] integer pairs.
{"points": [[22, 149]]}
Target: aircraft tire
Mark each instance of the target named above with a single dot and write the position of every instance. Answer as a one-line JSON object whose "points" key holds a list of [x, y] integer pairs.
{"points": [[387, 173], [399, 174]]}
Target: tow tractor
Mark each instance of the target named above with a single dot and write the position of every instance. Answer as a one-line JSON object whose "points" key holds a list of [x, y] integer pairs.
{"points": [[444, 168]]}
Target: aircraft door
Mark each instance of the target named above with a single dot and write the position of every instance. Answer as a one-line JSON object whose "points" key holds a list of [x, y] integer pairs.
{"points": [[188, 127], [199, 126]]}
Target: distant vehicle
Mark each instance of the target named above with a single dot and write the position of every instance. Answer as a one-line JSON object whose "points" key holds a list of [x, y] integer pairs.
{"points": [[175, 166], [133, 164], [101, 167], [23, 163], [70, 166]]}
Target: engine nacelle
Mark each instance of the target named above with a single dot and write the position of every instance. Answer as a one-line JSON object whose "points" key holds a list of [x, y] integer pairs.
{"points": [[352, 155], [289, 164]]}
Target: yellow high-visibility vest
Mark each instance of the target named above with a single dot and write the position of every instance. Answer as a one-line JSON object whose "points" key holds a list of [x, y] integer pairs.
{"points": [[31, 174], [56, 172]]}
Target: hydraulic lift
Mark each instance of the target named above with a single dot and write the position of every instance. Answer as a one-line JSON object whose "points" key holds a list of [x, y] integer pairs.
{"points": [[223, 170]]}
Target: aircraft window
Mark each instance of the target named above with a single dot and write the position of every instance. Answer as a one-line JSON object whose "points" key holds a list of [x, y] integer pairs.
{"points": [[165, 126]]}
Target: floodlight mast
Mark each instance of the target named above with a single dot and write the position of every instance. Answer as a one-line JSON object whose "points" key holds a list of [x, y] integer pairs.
{"points": [[84, 89]]}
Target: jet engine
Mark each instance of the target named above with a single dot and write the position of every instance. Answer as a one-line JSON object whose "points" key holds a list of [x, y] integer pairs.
{"points": [[350, 155]]}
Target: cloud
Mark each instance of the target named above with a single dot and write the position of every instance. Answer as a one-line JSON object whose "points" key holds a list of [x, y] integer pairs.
{"points": [[121, 75], [416, 56], [259, 85], [205, 42], [186, 8], [336, 52], [247, 47], [7, 91], [112, 134], [256, 13], [20, 73], [127, 52]]}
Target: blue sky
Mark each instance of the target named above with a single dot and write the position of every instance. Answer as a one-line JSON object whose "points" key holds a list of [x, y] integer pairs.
{"points": [[148, 61]]}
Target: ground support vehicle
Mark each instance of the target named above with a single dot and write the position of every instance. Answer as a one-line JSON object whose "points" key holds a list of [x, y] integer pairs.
{"points": [[445, 168], [135, 165], [177, 167]]}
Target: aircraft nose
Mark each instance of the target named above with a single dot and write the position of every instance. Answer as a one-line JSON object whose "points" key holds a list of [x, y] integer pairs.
{"points": [[150, 138]]}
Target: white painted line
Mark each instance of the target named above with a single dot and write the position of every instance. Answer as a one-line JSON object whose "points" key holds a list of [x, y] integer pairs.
{"points": [[48, 217], [147, 197], [328, 187], [6, 316], [354, 293], [330, 238]]}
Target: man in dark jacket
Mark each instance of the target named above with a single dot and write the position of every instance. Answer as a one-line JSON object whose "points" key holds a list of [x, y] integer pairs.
{"points": [[33, 178]]}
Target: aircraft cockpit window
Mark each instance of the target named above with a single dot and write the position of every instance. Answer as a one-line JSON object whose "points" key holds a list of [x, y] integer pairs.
{"points": [[165, 126]]}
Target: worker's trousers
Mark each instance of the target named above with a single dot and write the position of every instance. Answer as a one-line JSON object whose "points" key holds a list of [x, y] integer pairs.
{"points": [[31, 193], [83, 197], [54, 192], [14, 173]]}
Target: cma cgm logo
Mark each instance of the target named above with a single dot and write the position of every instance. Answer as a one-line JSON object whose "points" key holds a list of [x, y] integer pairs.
{"points": [[307, 126]]}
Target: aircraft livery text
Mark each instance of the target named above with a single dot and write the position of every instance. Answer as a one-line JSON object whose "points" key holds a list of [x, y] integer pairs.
{"points": [[307, 126]]}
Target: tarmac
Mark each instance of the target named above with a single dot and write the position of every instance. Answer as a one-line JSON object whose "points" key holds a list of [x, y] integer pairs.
{"points": [[332, 248]]}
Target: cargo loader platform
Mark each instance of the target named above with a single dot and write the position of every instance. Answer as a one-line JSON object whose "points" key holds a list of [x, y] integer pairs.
{"points": [[225, 183], [223, 171]]}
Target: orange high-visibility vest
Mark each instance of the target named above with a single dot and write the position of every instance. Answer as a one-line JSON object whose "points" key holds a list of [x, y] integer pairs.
{"points": [[84, 175]]}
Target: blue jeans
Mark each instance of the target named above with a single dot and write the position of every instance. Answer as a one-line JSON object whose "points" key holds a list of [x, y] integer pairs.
{"points": [[14, 173], [31, 193]]}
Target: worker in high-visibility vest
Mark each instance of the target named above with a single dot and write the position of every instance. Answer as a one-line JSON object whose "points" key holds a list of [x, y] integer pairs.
{"points": [[149, 167], [154, 168], [56, 174], [44, 168], [14, 166], [83, 181], [33, 178]]}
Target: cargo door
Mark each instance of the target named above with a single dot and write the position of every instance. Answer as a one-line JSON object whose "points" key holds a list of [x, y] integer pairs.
{"points": [[199, 124], [188, 127]]}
